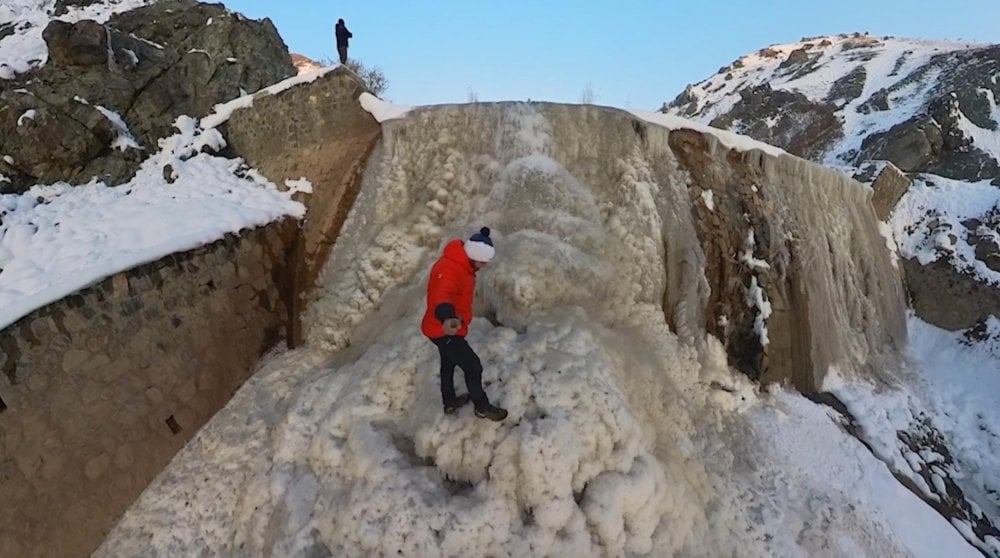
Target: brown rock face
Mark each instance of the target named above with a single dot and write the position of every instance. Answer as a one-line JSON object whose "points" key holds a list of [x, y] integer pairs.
{"points": [[911, 146], [80, 44], [888, 189], [802, 329], [969, 301], [320, 133]]}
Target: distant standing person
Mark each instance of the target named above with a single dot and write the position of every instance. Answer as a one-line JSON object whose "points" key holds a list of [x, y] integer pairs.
{"points": [[343, 34]]}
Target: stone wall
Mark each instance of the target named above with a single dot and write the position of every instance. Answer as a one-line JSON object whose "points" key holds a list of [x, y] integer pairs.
{"points": [[319, 132], [102, 388]]}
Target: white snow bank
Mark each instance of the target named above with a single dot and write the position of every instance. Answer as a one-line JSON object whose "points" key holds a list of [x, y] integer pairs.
{"points": [[729, 139], [382, 110], [57, 239], [951, 382], [895, 67], [812, 454]]}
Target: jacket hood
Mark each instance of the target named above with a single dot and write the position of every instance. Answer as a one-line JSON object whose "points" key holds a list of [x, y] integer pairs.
{"points": [[455, 251]]}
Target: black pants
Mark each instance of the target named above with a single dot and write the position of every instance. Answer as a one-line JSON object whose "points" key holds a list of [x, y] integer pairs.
{"points": [[342, 51], [455, 351]]}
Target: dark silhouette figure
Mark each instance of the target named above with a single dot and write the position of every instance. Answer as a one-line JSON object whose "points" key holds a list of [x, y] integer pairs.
{"points": [[343, 34]]}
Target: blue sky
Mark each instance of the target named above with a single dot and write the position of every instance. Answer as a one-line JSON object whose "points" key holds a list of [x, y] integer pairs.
{"points": [[633, 53]]}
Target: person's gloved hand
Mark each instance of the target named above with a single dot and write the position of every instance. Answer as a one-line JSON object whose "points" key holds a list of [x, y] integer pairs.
{"points": [[451, 326]]}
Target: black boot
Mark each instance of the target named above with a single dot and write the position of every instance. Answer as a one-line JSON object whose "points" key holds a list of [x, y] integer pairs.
{"points": [[496, 414], [455, 404]]}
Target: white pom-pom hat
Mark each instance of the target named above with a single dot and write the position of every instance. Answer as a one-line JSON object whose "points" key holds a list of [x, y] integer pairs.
{"points": [[479, 247]]}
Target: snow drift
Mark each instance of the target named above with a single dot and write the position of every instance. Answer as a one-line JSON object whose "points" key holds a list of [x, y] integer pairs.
{"points": [[629, 431]]}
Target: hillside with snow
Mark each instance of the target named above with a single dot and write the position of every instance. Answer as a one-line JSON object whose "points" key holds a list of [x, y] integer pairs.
{"points": [[866, 84], [856, 102], [632, 430]]}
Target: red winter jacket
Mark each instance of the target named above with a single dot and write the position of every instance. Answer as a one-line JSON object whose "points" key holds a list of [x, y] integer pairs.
{"points": [[449, 291]]}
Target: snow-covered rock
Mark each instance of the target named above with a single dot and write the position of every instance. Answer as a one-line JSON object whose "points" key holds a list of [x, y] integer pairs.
{"points": [[853, 102], [146, 63]]}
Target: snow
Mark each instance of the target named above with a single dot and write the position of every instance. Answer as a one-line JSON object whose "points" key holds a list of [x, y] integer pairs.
{"points": [[57, 239], [747, 257], [707, 196], [987, 140], [624, 438], [300, 185], [25, 49], [147, 41], [890, 65], [756, 299], [28, 115], [817, 453], [132, 55], [954, 382], [927, 222], [125, 139], [728, 139], [382, 110]]}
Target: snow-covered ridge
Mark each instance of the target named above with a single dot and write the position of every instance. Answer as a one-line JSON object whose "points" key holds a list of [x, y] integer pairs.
{"points": [[24, 49], [839, 55], [823, 69], [57, 239]]}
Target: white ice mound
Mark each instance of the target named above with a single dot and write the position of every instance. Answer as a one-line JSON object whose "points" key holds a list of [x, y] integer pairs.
{"points": [[624, 437]]}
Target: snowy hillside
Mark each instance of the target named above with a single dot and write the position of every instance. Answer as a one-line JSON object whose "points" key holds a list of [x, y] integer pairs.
{"points": [[853, 102], [201, 199], [59, 237], [869, 84]]}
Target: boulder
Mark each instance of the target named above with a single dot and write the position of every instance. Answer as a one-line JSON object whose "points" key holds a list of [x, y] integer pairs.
{"points": [[84, 43], [913, 146], [888, 189], [932, 143], [848, 87], [149, 65], [988, 252], [948, 298]]}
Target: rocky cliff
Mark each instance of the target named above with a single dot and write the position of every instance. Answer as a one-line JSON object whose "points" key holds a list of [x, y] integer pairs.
{"points": [[856, 102], [104, 87]]}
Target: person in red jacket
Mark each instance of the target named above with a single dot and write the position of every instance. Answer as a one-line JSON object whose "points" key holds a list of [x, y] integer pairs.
{"points": [[450, 289]]}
